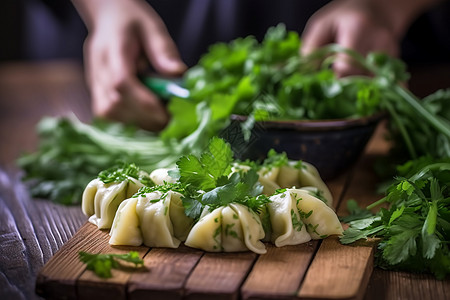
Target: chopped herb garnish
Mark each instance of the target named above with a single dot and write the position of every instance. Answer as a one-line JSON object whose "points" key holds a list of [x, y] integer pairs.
{"points": [[296, 222], [123, 172]]}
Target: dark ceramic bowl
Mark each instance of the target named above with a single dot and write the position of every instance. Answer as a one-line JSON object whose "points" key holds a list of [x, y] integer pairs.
{"points": [[332, 146]]}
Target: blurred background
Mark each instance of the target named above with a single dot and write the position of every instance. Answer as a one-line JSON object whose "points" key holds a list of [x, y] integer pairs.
{"points": [[41, 30]]}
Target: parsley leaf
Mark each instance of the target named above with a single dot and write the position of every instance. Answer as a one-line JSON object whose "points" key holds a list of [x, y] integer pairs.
{"points": [[204, 172], [102, 264], [208, 182]]}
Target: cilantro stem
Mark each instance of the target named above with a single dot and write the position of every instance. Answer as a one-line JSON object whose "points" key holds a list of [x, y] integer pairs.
{"points": [[437, 123], [401, 128], [376, 203]]}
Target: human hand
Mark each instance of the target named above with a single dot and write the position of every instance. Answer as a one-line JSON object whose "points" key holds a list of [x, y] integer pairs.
{"points": [[361, 25], [123, 36]]}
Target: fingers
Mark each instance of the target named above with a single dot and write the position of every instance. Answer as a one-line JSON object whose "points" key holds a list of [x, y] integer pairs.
{"points": [[352, 27], [159, 46], [117, 94], [316, 34]]}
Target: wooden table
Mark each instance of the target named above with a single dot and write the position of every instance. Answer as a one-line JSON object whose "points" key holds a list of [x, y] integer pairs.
{"points": [[32, 230]]}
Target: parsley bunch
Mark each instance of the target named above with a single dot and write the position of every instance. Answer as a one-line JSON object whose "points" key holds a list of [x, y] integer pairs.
{"points": [[72, 153], [414, 231]]}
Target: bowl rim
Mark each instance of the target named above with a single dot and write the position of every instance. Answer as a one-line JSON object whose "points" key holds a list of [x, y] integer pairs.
{"points": [[316, 125]]}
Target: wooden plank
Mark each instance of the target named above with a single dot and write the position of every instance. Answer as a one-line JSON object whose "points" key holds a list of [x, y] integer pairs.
{"points": [[89, 285], [338, 271], [343, 271], [168, 270], [392, 285], [278, 273], [57, 279], [219, 275]]}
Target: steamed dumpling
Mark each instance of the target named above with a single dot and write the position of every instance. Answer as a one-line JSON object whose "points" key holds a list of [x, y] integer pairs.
{"points": [[287, 227], [125, 229], [100, 200], [229, 228], [309, 176], [155, 219], [320, 219], [159, 176], [301, 176], [267, 178], [153, 210]]}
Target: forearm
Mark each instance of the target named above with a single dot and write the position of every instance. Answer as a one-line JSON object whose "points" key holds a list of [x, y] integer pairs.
{"points": [[89, 9]]}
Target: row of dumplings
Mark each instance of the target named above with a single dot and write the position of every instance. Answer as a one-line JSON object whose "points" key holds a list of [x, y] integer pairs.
{"points": [[300, 212]]}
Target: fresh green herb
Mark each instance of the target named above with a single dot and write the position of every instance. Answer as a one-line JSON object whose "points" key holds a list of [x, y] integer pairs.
{"points": [[313, 229], [210, 174], [297, 224], [122, 173], [102, 264], [414, 232], [271, 80], [72, 153], [275, 160], [355, 212], [305, 215], [164, 188]]}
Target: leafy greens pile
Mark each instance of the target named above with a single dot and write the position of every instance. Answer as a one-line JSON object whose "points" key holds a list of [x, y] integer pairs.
{"points": [[414, 231], [271, 80]]}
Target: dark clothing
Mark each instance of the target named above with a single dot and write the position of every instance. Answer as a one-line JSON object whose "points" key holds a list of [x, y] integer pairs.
{"points": [[196, 24], [51, 29]]}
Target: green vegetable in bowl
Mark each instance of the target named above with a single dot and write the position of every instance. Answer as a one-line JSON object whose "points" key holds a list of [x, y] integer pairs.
{"points": [[272, 80]]}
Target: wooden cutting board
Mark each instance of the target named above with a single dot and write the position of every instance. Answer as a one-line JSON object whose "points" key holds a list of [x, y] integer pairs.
{"points": [[322, 269], [314, 270]]}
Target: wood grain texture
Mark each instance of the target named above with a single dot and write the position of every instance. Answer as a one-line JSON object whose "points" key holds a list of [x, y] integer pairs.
{"points": [[286, 266], [168, 270], [338, 271], [32, 230], [219, 275]]}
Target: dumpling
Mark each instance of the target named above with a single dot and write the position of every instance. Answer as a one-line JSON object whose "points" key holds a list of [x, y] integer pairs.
{"points": [[100, 200], [269, 186], [321, 221], [206, 234], [303, 175], [309, 176], [155, 219], [159, 176], [287, 227], [266, 178], [229, 228], [125, 229], [269, 173]]}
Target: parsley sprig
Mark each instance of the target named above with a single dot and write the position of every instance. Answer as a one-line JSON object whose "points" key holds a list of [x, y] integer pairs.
{"points": [[102, 264], [208, 182]]}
